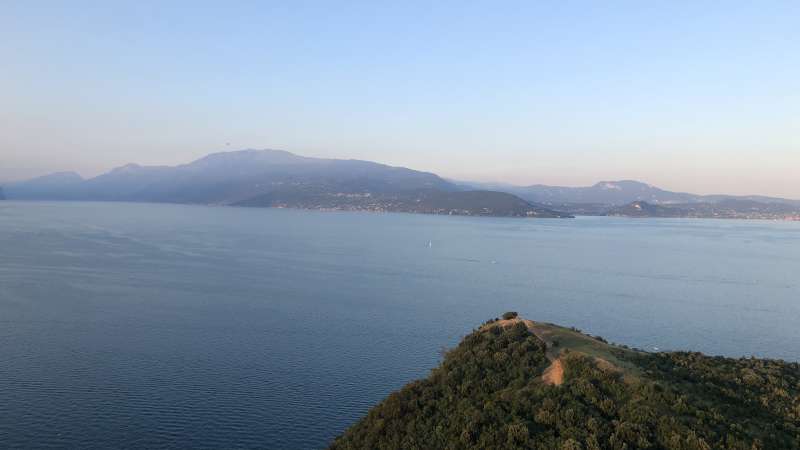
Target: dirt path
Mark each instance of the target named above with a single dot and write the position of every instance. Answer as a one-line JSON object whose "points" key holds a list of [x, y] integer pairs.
{"points": [[554, 374], [559, 339]]}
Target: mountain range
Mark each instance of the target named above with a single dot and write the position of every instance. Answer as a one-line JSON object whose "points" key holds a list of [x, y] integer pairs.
{"points": [[617, 193], [636, 199], [275, 178]]}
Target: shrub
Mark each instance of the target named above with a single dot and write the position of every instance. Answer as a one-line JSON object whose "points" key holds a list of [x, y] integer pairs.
{"points": [[510, 315]]}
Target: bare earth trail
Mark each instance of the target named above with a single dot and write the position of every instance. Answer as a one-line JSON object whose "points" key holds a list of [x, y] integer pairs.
{"points": [[554, 373], [559, 340]]}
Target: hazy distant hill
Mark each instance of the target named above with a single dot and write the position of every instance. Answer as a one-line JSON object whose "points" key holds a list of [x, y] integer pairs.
{"points": [[519, 384], [56, 186], [633, 198], [282, 179], [279, 178], [604, 192]]}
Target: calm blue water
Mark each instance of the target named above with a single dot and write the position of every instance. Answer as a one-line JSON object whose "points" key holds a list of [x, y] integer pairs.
{"points": [[151, 326]]}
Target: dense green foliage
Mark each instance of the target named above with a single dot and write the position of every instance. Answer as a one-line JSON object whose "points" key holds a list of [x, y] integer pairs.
{"points": [[487, 393]]}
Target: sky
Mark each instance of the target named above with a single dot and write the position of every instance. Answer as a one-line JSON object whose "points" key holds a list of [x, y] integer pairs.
{"points": [[697, 96]]}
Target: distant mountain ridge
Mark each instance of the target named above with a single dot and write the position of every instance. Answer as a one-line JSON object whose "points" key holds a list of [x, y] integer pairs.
{"points": [[616, 193], [279, 179], [631, 198], [276, 178], [55, 186]]}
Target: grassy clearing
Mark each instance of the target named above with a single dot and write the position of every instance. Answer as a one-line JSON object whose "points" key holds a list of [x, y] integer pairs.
{"points": [[562, 341], [559, 339]]}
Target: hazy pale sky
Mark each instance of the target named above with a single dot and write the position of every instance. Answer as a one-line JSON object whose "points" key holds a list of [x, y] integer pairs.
{"points": [[700, 96]]}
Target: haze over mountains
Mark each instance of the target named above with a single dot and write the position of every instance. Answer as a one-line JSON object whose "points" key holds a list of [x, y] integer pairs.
{"points": [[618, 193], [275, 178], [636, 199]]}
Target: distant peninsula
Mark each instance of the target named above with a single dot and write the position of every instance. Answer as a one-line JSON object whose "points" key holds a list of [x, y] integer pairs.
{"points": [[274, 178], [722, 209], [519, 384]]}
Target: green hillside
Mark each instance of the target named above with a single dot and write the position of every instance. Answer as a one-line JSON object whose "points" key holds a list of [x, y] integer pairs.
{"points": [[515, 383]]}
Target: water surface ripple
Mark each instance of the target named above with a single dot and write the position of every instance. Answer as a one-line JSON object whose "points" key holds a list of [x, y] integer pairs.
{"points": [[168, 326]]}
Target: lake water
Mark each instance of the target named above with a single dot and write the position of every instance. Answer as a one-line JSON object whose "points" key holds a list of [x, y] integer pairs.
{"points": [[156, 326]]}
